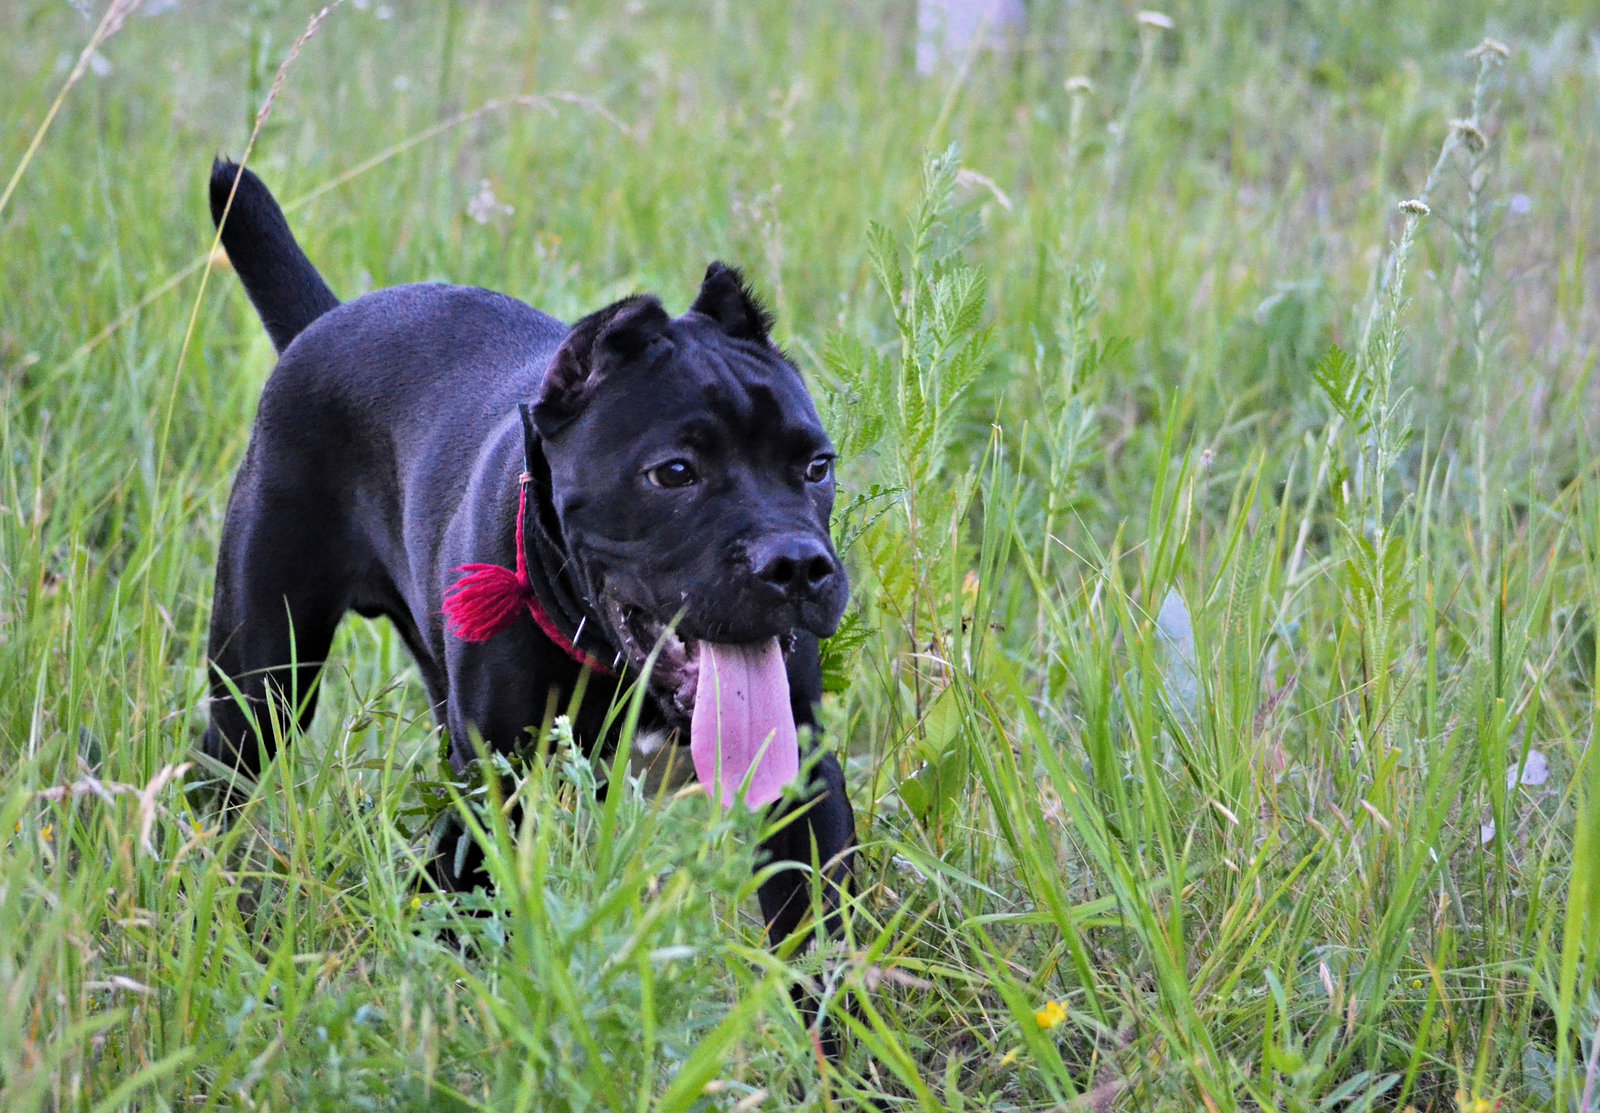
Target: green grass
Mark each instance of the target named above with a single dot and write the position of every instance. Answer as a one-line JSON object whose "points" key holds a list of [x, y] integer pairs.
{"points": [[1226, 549]]}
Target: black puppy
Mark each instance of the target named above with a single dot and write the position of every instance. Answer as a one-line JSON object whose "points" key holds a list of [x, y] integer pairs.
{"points": [[574, 498]]}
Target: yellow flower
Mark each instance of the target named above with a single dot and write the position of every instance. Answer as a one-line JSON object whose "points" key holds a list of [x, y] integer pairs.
{"points": [[1053, 1015], [1009, 1057], [1416, 983], [48, 831], [416, 903]]}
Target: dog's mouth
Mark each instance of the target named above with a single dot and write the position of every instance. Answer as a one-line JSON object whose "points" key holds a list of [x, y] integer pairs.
{"points": [[675, 676], [733, 697]]}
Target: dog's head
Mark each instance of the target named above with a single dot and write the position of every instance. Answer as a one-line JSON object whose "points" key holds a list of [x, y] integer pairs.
{"points": [[691, 478]]}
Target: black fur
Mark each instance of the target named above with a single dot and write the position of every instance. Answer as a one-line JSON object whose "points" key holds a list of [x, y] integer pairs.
{"points": [[386, 453], [285, 288], [726, 299], [617, 334]]}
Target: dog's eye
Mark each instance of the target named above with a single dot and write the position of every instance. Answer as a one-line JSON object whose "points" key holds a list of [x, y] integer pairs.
{"points": [[819, 469], [672, 474]]}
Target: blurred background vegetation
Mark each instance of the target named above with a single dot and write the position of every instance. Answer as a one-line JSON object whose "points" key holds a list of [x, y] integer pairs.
{"points": [[1219, 691]]}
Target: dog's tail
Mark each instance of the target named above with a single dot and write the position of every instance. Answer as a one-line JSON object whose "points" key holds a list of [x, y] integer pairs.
{"points": [[285, 288]]}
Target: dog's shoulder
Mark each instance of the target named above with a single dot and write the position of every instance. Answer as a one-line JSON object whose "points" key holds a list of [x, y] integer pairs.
{"points": [[436, 314], [426, 348]]}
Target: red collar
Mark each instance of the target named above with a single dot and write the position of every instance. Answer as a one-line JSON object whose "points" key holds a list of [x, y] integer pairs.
{"points": [[487, 598]]}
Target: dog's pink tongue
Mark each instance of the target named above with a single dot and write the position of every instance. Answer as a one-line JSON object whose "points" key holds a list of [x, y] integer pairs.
{"points": [[741, 712]]}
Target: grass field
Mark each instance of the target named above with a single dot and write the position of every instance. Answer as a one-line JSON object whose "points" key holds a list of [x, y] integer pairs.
{"points": [[1218, 693]]}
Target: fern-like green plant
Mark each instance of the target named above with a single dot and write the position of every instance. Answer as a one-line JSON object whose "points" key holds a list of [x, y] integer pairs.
{"points": [[906, 417]]}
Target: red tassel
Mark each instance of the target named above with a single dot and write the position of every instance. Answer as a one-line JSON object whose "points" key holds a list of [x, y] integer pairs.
{"points": [[486, 600]]}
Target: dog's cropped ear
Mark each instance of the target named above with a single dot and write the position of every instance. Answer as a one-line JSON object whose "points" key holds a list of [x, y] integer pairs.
{"points": [[726, 299], [616, 335]]}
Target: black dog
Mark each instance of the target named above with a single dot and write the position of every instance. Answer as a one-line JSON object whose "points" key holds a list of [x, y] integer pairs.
{"points": [[575, 497]]}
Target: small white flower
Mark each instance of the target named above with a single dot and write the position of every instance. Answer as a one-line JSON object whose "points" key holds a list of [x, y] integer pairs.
{"points": [[1079, 85], [486, 206], [1533, 772], [1159, 20], [1490, 48], [1415, 207]]}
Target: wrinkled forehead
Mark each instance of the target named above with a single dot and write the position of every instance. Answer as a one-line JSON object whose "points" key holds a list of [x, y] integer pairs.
{"points": [[710, 383], [750, 384]]}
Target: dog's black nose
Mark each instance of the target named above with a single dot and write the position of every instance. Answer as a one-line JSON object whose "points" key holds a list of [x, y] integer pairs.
{"points": [[795, 564]]}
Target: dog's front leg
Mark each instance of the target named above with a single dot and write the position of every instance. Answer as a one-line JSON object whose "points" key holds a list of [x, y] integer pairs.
{"points": [[819, 828]]}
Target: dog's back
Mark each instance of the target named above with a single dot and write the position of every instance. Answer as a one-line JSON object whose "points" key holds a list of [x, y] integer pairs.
{"points": [[285, 288]]}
